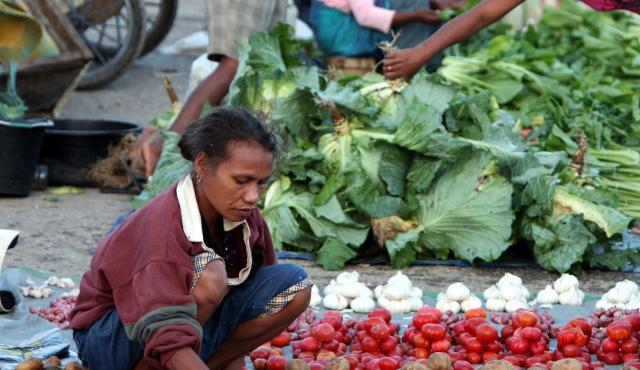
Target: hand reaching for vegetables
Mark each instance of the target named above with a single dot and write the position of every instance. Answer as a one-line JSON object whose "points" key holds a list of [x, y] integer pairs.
{"points": [[402, 63], [428, 16], [151, 145]]}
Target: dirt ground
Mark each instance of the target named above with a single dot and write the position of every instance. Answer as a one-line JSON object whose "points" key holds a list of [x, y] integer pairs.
{"points": [[58, 233]]}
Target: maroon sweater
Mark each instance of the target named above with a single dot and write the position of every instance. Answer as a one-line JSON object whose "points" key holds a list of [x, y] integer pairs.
{"points": [[145, 270]]}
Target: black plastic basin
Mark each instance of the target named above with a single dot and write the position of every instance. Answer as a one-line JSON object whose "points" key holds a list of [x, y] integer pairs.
{"points": [[72, 146]]}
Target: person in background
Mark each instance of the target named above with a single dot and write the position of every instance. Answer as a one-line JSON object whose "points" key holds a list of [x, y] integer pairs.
{"points": [[405, 63], [355, 28], [190, 281], [228, 23]]}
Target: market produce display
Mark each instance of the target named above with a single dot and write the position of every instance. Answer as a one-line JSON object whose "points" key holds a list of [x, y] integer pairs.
{"points": [[523, 142]]}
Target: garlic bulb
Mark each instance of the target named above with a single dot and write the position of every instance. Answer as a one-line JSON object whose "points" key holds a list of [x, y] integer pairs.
{"points": [[547, 296], [362, 304], [415, 293], [628, 285], [348, 277], [377, 292], [510, 292], [494, 304], [634, 302], [571, 297], [508, 279], [515, 305], [399, 279], [445, 305], [414, 303], [332, 288], [524, 292], [604, 304], [315, 297], [352, 290], [458, 292], [397, 291], [565, 282], [335, 302], [491, 292], [471, 303], [394, 306], [618, 294]]}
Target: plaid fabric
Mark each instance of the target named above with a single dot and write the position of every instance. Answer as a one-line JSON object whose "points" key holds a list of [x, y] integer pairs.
{"points": [[200, 261], [231, 21], [278, 302]]}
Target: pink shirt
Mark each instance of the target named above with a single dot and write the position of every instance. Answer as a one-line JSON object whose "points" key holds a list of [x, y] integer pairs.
{"points": [[365, 12]]}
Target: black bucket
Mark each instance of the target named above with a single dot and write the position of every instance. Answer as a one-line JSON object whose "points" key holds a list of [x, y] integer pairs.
{"points": [[72, 146], [19, 151]]}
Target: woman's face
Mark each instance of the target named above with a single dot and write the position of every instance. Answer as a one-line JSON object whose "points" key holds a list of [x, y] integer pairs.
{"points": [[233, 188]]}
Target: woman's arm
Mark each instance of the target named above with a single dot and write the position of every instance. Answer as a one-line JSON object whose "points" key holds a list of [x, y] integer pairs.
{"points": [[367, 14], [405, 63]]}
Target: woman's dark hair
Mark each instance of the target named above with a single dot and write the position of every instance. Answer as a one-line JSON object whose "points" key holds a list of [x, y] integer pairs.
{"points": [[213, 133]]}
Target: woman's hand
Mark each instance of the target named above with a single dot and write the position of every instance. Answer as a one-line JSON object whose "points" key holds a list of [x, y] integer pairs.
{"points": [[151, 144], [403, 63], [427, 16]]}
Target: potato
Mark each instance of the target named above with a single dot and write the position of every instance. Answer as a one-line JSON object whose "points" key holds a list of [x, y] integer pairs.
{"points": [[413, 365], [567, 364], [336, 363], [439, 361], [73, 366], [498, 365], [30, 364], [53, 361], [297, 364]]}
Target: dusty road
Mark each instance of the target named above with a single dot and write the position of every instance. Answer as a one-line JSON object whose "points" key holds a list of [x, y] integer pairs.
{"points": [[57, 234]]}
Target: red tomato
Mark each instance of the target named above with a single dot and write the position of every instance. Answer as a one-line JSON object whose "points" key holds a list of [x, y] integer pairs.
{"points": [[333, 321], [462, 339], [612, 358], [381, 312], [277, 352], [260, 363], [387, 363], [489, 356], [539, 347], [440, 346], [373, 321], [458, 328], [422, 353], [420, 319], [494, 346], [323, 332], [619, 330], [430, 311], [339, 336], [531, 334], [420, 341], [630, 357], [475, 312], [332, 313], [507, 331], [582, 324], [486, 333], [530, 361], [281, 340], [474, 357], [462, 365], [525, 319], [610, 345], [373, 364], [433, 332], [473, 345], [331, 345], [369, 345], [380, 332], [407, 337], [581, 338], [633, 320], [259, 353], [352, 360], [276, 363], [472, 324], [394, 327], [566, 336], [455, 356], [389, 344], [571, 350], [517, 345], [309, 344], [315, 365], [629, 346]]}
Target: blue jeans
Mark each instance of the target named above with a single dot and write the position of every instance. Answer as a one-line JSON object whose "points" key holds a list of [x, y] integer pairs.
{"points": [[105, 344]]}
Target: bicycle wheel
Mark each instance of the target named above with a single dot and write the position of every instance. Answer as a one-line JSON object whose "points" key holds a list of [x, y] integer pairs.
{"points": [[114, 32], [160, 15]]}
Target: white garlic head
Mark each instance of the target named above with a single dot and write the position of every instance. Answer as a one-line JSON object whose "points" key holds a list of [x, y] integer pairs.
{"points": [[495, 304], [335, 302], [571, 297], [363, 304], [471, 303], [458, 292], [515, 305], [509, 279], [547, 296], [565, 282], [491, 292]]}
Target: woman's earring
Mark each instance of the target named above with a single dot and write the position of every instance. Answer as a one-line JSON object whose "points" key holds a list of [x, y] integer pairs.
{"points": [[198, 178]]}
